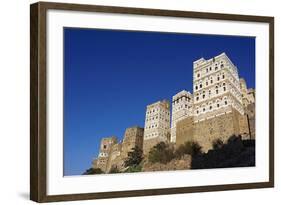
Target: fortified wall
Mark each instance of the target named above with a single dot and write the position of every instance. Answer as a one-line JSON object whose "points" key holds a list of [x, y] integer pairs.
{"points": [[206, 131]]}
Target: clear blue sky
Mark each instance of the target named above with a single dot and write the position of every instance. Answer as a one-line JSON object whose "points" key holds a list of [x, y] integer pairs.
{"points": [[110, 76]]}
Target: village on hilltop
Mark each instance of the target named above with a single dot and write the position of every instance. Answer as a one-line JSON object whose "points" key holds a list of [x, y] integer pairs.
{"points": [[220, 106]]}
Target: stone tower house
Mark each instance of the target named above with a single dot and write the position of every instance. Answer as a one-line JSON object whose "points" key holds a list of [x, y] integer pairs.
{"points": [[216, 87], [248, 95], [157, 124], [113, 154], [218, 110], [182, 107], [104, 152]]}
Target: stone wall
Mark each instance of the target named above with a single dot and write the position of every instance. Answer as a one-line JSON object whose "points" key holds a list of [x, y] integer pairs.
{"points": [[133, 137], [149, 143], [206, 131], [185, 130], [250, 111], [114, 157], [102, 163]]}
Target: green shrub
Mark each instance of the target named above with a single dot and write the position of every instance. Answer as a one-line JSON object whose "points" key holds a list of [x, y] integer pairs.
{"points": [[235, 152], [134, 157], [93, 171], [217, 144], [137, 168], [189, 147], [114, 170], [162, 153]]}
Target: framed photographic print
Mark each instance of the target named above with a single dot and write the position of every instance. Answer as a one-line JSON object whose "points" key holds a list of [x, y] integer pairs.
{"points": [[135, 102]]}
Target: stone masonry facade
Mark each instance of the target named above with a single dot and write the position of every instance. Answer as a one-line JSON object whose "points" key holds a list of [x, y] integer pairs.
{"points": [[113, 154], [220, 106], [157, 124]]}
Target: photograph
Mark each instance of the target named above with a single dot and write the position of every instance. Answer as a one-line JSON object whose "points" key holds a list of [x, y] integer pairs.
{"points": [[151, 101], [130, 101]]}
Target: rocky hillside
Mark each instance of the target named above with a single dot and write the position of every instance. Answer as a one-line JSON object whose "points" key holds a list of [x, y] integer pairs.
{"points": [[176, 164]]}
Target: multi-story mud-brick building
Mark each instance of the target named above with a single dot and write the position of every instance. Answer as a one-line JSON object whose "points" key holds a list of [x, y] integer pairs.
{"points": [[218, 110], [182, 107], [157, 124]]}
